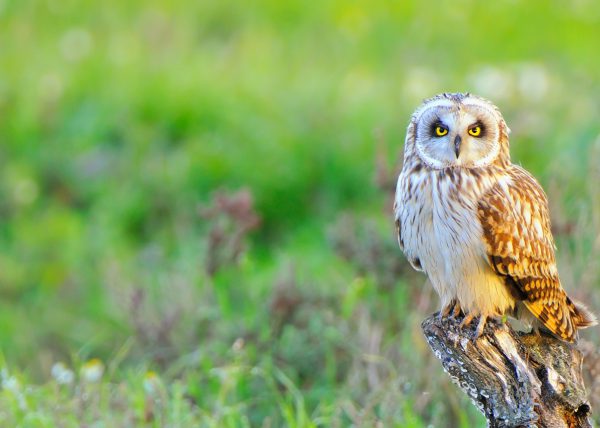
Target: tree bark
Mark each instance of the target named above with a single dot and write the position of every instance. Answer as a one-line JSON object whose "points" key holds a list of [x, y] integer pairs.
{"points": [[515, 379]]}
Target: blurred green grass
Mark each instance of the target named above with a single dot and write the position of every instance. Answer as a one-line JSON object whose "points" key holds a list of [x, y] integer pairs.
{"points": [[118, 120]]}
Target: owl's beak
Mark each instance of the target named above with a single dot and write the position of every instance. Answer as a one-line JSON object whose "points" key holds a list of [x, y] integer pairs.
{"points": [[457, 141]]}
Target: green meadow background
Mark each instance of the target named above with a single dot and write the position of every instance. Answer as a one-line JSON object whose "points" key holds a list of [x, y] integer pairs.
{"points": [[195, 201]]}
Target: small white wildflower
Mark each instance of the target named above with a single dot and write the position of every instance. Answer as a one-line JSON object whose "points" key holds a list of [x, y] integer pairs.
{"points": [[11, 383], [151, 382], [238, 345], [62, 374], [22, 402], [92, 370]]}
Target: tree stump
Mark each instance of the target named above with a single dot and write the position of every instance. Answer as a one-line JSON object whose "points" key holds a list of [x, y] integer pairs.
{"points": [[515, 379]]}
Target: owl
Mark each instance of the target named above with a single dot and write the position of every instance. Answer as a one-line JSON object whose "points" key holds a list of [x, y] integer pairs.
{"points": [[476, 224]]}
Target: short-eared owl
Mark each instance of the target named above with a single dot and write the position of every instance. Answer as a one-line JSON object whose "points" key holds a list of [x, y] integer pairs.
{"points": [[476, 224]]}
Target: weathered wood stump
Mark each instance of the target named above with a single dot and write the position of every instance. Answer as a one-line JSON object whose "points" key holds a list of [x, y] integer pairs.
{"points": [[515, 379]]}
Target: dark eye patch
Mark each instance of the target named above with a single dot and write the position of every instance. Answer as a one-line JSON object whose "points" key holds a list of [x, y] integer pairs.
{"points": [[437, 124], [481, 125]]}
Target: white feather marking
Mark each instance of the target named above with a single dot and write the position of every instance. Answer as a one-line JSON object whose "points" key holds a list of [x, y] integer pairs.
{"points": [[527, 214], [518, 205], [538, 228]]}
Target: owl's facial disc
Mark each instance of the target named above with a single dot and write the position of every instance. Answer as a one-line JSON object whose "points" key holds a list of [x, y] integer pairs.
{"points": [[457, 135]]}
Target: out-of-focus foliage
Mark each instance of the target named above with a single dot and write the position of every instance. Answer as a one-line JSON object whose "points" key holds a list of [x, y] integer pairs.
{"points": [[197, 193]]}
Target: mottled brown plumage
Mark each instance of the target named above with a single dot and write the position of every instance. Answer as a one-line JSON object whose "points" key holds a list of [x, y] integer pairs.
{"points": [[476, 224], [519, 244]]}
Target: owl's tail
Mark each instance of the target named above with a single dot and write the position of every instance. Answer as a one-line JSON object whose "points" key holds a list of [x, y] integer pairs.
{"points": [[581, 316]]}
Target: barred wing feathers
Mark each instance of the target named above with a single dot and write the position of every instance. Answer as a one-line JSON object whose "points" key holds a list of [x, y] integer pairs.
{"points": [[516, 228]]}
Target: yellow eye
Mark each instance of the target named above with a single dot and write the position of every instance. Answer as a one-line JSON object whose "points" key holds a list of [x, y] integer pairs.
{"points": [[440, 131], [475, 131]]}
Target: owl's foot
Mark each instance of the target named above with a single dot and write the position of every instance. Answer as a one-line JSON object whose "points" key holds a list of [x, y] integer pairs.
{"points": [[452, 309], [456, 311], [480, 326], [468, 319], [447, 309]]}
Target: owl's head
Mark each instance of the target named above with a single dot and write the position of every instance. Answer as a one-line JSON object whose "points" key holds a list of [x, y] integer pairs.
{"points": [[458, 130]]}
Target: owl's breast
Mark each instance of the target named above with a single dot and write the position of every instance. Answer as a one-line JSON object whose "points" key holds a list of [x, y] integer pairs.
{"points": [[437, 219], [440, 228]]}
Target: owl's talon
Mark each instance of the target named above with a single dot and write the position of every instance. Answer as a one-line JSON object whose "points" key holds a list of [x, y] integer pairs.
{"points": [[467, 320], [450, 307], [480, 326], [456, 310]]}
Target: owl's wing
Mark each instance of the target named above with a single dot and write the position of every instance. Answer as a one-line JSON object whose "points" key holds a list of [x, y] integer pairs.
{"points": [[516, 229], [409, 143], [398, 229]]}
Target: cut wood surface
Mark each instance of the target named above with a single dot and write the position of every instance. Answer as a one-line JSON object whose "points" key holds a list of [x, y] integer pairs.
{"points": [[515, 379]]}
